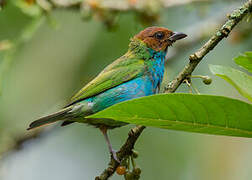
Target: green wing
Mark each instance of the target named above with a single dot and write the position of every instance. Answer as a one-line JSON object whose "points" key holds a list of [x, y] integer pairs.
{"points": [[122, 70]]}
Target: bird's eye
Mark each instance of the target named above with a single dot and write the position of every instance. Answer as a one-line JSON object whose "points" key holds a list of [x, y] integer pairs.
{"points": [[159, 35]]}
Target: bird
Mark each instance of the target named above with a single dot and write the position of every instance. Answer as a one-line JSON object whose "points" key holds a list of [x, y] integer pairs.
{"points": [[139, 72]]}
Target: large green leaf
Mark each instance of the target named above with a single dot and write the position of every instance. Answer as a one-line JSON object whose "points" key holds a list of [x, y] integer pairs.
{"points": [[245, 60], [186, 112], [240, 80]]}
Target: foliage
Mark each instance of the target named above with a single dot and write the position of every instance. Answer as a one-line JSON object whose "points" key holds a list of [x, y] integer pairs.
{"points": [[245, 60], [192, 113], [240, 80]]}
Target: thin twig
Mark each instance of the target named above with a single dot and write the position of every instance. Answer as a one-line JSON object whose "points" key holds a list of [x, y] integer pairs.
{"points": [[233, 19]]}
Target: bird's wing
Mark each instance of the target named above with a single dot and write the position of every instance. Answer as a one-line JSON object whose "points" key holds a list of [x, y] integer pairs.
{"points": [[122, 70]]}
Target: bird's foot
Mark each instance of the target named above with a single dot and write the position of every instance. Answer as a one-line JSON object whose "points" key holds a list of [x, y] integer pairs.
{"points": [[113, 154]]}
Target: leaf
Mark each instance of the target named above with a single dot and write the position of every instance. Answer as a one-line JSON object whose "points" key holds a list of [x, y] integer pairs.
{"points": [[240, 80], [245, 60], [193, 113]]}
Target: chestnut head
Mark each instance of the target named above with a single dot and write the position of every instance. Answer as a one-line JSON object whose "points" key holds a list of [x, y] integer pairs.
{"points": [[159, 38]]}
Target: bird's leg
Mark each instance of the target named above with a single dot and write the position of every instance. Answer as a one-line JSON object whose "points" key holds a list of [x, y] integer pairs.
{"points": [[111, 150]]}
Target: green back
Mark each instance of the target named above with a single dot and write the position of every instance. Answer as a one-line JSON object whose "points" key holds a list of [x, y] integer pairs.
{"points": [[129, 66]]}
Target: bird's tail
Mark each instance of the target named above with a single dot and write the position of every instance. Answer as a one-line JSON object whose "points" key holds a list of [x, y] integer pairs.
{"points": [[60, 115]]}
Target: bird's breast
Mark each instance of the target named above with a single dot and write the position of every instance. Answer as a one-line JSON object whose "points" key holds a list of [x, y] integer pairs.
{"points": [[156, 69]]}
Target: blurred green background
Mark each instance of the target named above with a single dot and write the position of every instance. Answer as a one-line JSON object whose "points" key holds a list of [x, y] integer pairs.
{"points": [[65, 52]]}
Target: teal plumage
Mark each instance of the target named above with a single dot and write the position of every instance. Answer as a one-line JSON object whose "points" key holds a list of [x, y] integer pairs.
{"points": [[147, 83]]}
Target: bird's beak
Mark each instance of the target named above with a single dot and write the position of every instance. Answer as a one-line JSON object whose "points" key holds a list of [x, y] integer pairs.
{"points": [[176, 36]]}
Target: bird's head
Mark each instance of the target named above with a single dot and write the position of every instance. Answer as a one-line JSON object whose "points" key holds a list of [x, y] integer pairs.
{"points": [[159, 38]]}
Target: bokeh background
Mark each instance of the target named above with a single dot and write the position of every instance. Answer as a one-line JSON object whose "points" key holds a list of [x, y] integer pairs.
{"points": [[47, 59]]}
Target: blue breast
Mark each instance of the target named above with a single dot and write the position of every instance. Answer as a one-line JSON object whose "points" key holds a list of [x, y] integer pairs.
{"points": [[143, 86], [156, 68]]}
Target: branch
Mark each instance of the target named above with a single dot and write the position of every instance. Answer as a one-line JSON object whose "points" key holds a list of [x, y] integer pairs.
{"points": [[18, 141], [233, 19], [124, 151], [148, 12], [122, 6]]}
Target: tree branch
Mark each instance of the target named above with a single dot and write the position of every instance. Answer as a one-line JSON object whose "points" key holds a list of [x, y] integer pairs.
{"points": [[122, 6], [18, 142], [233, 19], [148, 12], [124, 151]]}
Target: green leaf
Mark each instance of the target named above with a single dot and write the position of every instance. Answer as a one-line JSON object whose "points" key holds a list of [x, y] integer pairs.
{"points": [[240, 80], [193, 113], [245, 61]]}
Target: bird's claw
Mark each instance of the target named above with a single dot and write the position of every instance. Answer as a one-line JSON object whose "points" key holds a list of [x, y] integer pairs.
{"points": [[113, 154]]}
